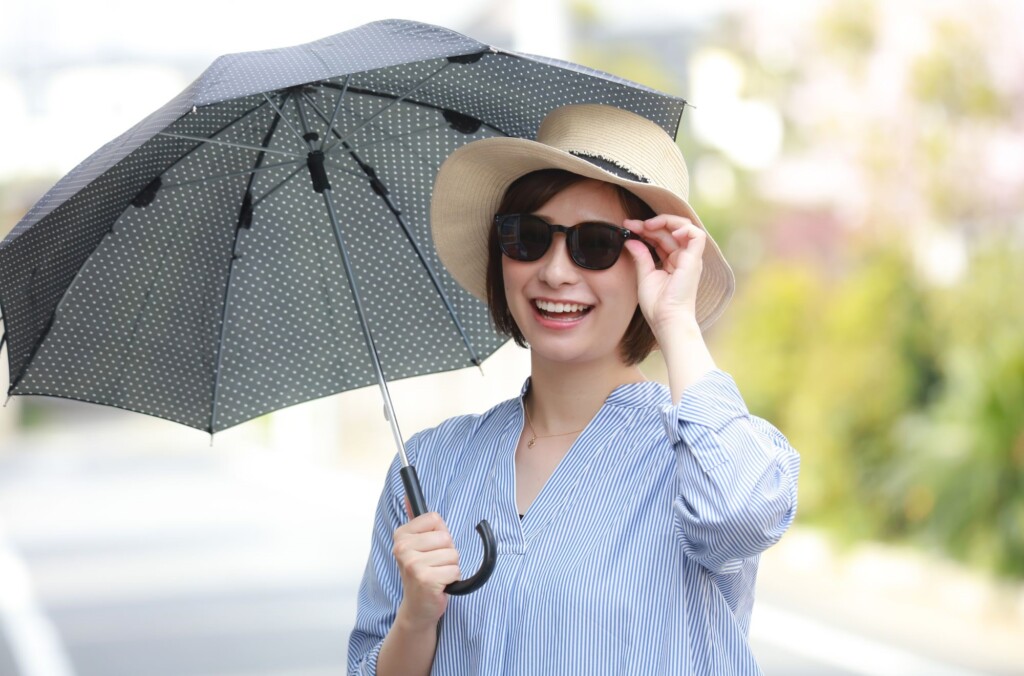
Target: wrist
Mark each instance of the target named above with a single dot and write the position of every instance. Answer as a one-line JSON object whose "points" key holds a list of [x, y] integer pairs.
{"points": [[410, 624], [677, 331]]}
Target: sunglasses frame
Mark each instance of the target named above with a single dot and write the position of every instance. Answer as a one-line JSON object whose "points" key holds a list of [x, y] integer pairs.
{"points": [[571, 239]]}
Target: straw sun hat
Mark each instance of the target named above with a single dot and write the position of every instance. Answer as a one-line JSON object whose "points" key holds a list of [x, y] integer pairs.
{"points": [[596, 141]]}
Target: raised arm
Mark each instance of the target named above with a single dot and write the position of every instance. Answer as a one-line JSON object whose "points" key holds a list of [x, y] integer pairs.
{"points": [[737, 475]]}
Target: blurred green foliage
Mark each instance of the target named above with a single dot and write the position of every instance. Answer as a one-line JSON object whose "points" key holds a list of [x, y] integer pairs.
{"points": [[899, 376], [907, 400]]}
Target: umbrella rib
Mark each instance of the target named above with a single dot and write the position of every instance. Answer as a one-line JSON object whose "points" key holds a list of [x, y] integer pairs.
{"points": [[337, 108], [416, 247], [246, 225], [368, 144], [387, 107], [337, 165], [281, 115], [227, 125], [430, 271], [279, 185], [244, 146], [415, 102], [414, 132], [233, 174]]}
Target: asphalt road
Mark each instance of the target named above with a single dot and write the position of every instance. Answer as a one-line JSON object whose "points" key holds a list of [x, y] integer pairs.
{"points": [[120, 562]]}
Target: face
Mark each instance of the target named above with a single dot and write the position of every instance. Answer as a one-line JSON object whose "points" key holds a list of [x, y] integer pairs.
{"points": [[567, 313]]}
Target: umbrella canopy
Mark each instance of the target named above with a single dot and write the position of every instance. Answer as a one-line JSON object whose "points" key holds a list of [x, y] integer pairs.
{"points": [[190, 269]]}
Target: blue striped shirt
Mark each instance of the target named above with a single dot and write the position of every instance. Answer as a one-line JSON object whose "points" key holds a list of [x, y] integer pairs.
{"points": [[638, 556]]}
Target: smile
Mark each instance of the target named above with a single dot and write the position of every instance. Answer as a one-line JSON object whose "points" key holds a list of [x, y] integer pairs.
{"points": [[561, 311]]}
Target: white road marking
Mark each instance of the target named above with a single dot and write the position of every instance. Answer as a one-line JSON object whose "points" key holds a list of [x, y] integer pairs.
{"points": [[34, 640], [841, 649]]}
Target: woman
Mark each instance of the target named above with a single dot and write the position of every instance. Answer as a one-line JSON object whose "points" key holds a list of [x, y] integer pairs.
{"points": [[629, 516]]}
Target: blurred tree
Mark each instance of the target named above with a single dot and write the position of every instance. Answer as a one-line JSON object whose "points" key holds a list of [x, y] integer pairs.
{"points": [[898, 367], [961, 480]]}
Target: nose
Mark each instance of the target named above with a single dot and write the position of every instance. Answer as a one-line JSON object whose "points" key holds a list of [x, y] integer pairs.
{"points": [[556, 267]]}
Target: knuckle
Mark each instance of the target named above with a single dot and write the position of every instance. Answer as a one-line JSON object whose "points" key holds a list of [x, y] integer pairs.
{"points": [[421, 575]]}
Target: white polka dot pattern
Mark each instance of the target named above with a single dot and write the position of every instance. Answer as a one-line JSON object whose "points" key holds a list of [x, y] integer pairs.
{"points": [[186, 305]]}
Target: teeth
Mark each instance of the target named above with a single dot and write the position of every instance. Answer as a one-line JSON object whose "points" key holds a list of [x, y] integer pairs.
{"points": [[560, 307]]}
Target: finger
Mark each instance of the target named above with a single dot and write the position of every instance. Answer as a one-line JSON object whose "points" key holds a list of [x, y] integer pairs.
{"points": [[667, 221], [656, 234], [434, 577], [660, 231], [424, 523], [425, 542], [645, 264], [410, 554], [437, 558], [692, 239], [445, 575]]}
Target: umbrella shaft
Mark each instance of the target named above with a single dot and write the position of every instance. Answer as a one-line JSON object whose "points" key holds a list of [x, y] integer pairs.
{"points": [[367, 334]]}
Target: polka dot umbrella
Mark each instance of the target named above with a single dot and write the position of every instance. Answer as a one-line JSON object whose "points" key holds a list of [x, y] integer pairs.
{"points": [[263, 238]]}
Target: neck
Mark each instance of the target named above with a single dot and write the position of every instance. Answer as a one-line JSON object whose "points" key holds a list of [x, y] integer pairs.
{"points": [[564, 397]]}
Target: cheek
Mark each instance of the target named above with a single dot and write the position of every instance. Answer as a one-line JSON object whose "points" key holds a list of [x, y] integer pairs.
{"points": [[620, 287], [513, 275], [508, 276]]}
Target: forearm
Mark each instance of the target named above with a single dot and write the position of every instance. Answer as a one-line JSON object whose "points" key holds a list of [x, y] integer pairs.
{"points": [[737, 475], [687, 358], [408, 649]]}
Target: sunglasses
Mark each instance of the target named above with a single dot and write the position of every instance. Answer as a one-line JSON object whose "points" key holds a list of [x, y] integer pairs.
{"points": [[592, 246]]}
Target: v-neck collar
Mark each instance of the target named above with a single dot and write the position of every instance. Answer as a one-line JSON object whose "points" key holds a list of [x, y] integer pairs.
{"points": [[577, 464]]}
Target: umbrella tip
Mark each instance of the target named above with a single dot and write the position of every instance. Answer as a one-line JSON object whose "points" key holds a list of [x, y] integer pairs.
{"points": [[7, 400]]}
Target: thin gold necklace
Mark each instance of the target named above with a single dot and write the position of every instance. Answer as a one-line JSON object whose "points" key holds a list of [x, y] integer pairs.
{"points": [[534, 438]]}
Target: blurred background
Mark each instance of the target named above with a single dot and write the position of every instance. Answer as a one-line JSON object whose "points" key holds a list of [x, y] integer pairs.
{"points": [[862, 166]]}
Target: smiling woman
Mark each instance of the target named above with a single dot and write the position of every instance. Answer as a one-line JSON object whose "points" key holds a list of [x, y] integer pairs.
{"points": [[537, 292], [629, 516], [527, 194]]}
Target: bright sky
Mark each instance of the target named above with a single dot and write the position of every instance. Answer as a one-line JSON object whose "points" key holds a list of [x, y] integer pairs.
{"points": [[47, 28], [96, 67]]}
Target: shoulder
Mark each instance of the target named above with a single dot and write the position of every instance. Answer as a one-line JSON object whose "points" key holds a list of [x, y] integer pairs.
{"points": [[452, 436]]}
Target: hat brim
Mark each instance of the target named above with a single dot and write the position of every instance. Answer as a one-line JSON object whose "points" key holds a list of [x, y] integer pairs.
{"points": [[472, 181]]}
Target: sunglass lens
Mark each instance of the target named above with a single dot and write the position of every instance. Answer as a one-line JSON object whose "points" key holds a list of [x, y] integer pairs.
{"points": [[597, 245], [524, 237]]}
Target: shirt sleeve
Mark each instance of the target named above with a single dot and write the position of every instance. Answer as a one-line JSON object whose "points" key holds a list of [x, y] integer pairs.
{"points": [[736, 474], [380, 591]]}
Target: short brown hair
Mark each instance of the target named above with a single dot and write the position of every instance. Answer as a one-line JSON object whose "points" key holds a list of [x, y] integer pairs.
{"points": [[529, 193]]}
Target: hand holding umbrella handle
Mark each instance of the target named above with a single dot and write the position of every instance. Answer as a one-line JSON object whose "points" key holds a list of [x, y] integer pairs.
{"points": [[419, 506]]}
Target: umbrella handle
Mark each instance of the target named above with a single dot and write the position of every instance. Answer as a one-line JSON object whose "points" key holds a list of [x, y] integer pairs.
{"points": [[471, 584], [419, 506]]}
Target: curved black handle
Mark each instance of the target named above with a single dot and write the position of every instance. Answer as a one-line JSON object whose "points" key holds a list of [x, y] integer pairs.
{"points": [[471, 584], [414, 492]]}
